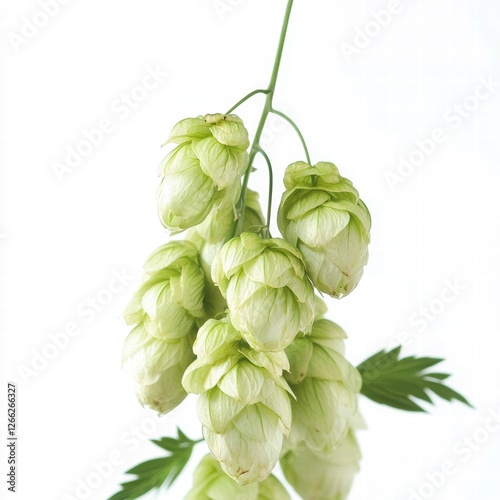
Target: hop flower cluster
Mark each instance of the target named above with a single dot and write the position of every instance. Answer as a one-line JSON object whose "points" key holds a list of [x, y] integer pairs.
{"points": [[231, 314]]}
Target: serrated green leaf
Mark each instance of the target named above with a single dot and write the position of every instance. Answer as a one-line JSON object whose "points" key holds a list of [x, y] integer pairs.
{"points": [[439, 376], [401, 402], [155, 473], [168, 444], [396, 382], [446, 392]]}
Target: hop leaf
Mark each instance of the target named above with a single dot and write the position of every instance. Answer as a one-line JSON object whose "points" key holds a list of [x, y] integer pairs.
{"points": [[393, 381], [159, 471]]}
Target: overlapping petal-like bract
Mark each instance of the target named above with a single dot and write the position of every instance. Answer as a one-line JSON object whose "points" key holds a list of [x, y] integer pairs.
{"points": [[269, 297], [211, 483], [158, 367], [319, 477], [167, 310], [322, 215], [204, 170], [244, 404], [210, 236], [215, 230], [326, 387]]}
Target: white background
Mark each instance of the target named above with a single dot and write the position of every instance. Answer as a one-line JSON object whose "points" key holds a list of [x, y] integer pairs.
{"points": [[62, 239]]}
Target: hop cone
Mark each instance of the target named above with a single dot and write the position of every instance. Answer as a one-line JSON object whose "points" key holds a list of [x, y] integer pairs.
{"points": [[321, 214], [319, 477], [166, 309], [244, 406], [203, 171], [211, 483], [158, 367], [269, 297], [326, 386]]}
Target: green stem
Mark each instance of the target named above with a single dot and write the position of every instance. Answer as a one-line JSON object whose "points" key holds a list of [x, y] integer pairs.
{"points": [[268, 106], [279, 51], [266, 231], [251, 94], [297, 130]]}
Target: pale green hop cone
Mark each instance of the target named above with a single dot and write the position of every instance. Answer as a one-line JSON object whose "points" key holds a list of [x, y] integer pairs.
{"points": [[170, 300], [319, 477], [211, 483], [210, 236], [203, 171], [322, 215], [326, 387], [269, 296], [167, 309], [244, 402], [158, 367]]}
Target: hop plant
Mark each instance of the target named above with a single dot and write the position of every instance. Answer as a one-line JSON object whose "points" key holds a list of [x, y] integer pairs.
{"points": [[203, 172], [167, 309], [326, 387], [230, 314], [269, 297], [211, 483], [244, 403], [322, 215]]}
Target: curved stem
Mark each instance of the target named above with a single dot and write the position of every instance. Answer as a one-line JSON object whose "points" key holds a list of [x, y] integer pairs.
{"points": [[270, 193], [251, 94], [268, 106], [297, 130]]}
